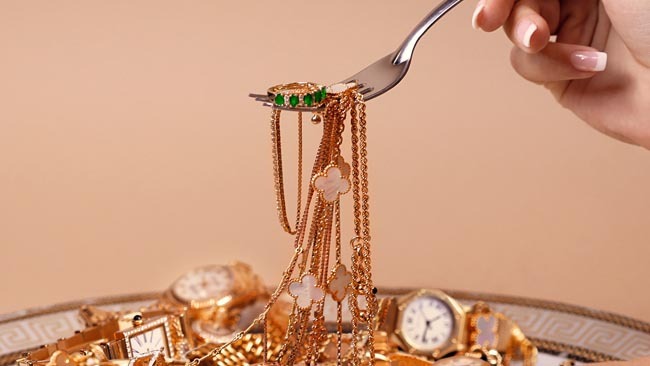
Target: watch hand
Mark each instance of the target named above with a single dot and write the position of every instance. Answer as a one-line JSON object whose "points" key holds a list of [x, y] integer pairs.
{"points": [[426, 329]]}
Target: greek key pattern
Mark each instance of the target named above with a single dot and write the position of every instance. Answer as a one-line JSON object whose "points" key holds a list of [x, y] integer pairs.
{"points": [[580, 331], [561, 327], [31, 332]]}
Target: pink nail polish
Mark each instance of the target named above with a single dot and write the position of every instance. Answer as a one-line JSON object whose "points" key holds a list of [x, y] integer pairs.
{"points": [[589, 60], [524, 32], [477, 12]]}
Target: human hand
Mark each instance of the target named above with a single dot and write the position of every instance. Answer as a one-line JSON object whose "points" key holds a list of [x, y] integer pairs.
{"points": [[599, 65]]}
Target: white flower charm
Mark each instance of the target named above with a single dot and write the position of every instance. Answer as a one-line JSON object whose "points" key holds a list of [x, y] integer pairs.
{"points": [[331, 183], [486, 327], [339, 283], [306, 291], [343, 166]]}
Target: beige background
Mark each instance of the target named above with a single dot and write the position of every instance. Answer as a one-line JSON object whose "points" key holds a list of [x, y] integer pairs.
{"points": [[130, 153]]}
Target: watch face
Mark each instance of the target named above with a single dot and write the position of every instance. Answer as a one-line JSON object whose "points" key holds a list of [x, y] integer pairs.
{"points": [[149, 342], [427, 323], [461, 361], [204, 283]]}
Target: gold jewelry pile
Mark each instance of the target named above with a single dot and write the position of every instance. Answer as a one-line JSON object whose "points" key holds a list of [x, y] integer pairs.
{"points": [[321, 312], [205, 308]]}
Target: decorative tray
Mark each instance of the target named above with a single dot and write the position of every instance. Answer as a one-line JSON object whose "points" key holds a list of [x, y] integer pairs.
{"points": [[560, 331]]}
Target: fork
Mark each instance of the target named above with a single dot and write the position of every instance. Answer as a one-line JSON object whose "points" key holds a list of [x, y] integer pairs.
{"points": [[388, 71]]}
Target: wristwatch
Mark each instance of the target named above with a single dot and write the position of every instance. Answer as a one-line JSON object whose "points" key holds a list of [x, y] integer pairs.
{"points": [[430, 323], [427, 323], [146, 337], [129, 337], [213, 298], [210, 291]]}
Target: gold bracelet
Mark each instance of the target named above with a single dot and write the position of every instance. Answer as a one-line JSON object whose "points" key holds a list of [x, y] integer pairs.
{"points": [[493, 330], [110, 341]]}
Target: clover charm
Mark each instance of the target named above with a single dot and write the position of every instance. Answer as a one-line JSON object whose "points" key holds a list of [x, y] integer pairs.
{"points": [[306, 291], [343, 166], [486, 327], [338, 284], [331, 183]]}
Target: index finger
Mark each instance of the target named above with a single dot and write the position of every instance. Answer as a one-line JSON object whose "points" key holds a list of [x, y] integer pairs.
{"points": [[490, 15]]}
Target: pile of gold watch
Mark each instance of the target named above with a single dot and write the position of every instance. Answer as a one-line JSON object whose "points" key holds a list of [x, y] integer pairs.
{"points": [[208, 306], [325, 310]]}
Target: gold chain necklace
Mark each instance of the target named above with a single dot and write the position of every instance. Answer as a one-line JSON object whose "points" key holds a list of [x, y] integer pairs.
{"points": [[310, 278], [276, 143]]}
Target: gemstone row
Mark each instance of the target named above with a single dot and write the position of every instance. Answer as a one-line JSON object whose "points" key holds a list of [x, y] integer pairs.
{"points": [[307, 99]]}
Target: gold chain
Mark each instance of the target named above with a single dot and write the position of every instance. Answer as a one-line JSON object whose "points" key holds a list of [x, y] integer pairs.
{"points": [[276, 142], [306, 333], [371, 299]]}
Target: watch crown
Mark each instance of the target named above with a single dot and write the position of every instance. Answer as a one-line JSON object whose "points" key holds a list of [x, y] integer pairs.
{"points": [[137, 320]]}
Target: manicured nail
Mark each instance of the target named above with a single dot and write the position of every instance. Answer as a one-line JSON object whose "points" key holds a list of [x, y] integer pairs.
{"points": [[524, 32], [479, 9], [589, 60]]}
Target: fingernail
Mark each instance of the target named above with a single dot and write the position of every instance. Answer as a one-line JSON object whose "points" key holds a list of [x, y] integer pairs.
{"points": [[589, 60], [525, 31], [479, 9]]}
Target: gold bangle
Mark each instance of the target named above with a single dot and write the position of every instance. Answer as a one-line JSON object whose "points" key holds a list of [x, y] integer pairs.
{"points": [[299, 95]]}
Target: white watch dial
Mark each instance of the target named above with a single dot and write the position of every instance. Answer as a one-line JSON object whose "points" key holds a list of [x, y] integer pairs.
{"points": [[148, 342], [426, 323], [204, 284]]}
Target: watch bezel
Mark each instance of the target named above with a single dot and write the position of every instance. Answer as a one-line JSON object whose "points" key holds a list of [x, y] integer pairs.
{"points": [[456, 338], [162, 322], [226, 297]]}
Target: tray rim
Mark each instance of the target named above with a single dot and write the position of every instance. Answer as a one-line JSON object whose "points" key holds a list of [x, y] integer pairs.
{"points": [[545, 345], [607, 316]]}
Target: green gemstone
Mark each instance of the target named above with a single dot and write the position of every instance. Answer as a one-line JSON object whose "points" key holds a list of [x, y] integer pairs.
{"points": [[317, 96], [279, 99], [293, 100], [308, 99], [323, 93]]}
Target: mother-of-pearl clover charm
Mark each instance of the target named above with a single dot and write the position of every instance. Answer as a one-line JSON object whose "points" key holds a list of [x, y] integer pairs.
{"points": [[331, 183], [486, 327], [338, 284], [306, 291], [343, 166]]}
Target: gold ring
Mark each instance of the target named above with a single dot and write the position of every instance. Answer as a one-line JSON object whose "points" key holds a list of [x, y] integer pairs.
{"points": [[298, 95]]}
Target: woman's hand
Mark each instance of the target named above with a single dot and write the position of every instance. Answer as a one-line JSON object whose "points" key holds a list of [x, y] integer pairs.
{"points": [[599, 66]]}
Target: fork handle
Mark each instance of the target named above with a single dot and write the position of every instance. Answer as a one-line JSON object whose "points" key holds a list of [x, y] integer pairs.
{"points": [[405, 51]]}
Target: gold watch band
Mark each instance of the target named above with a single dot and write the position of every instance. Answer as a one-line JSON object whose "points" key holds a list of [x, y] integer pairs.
{"points": [[78, 342], [106, 342], [494, 330]]}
